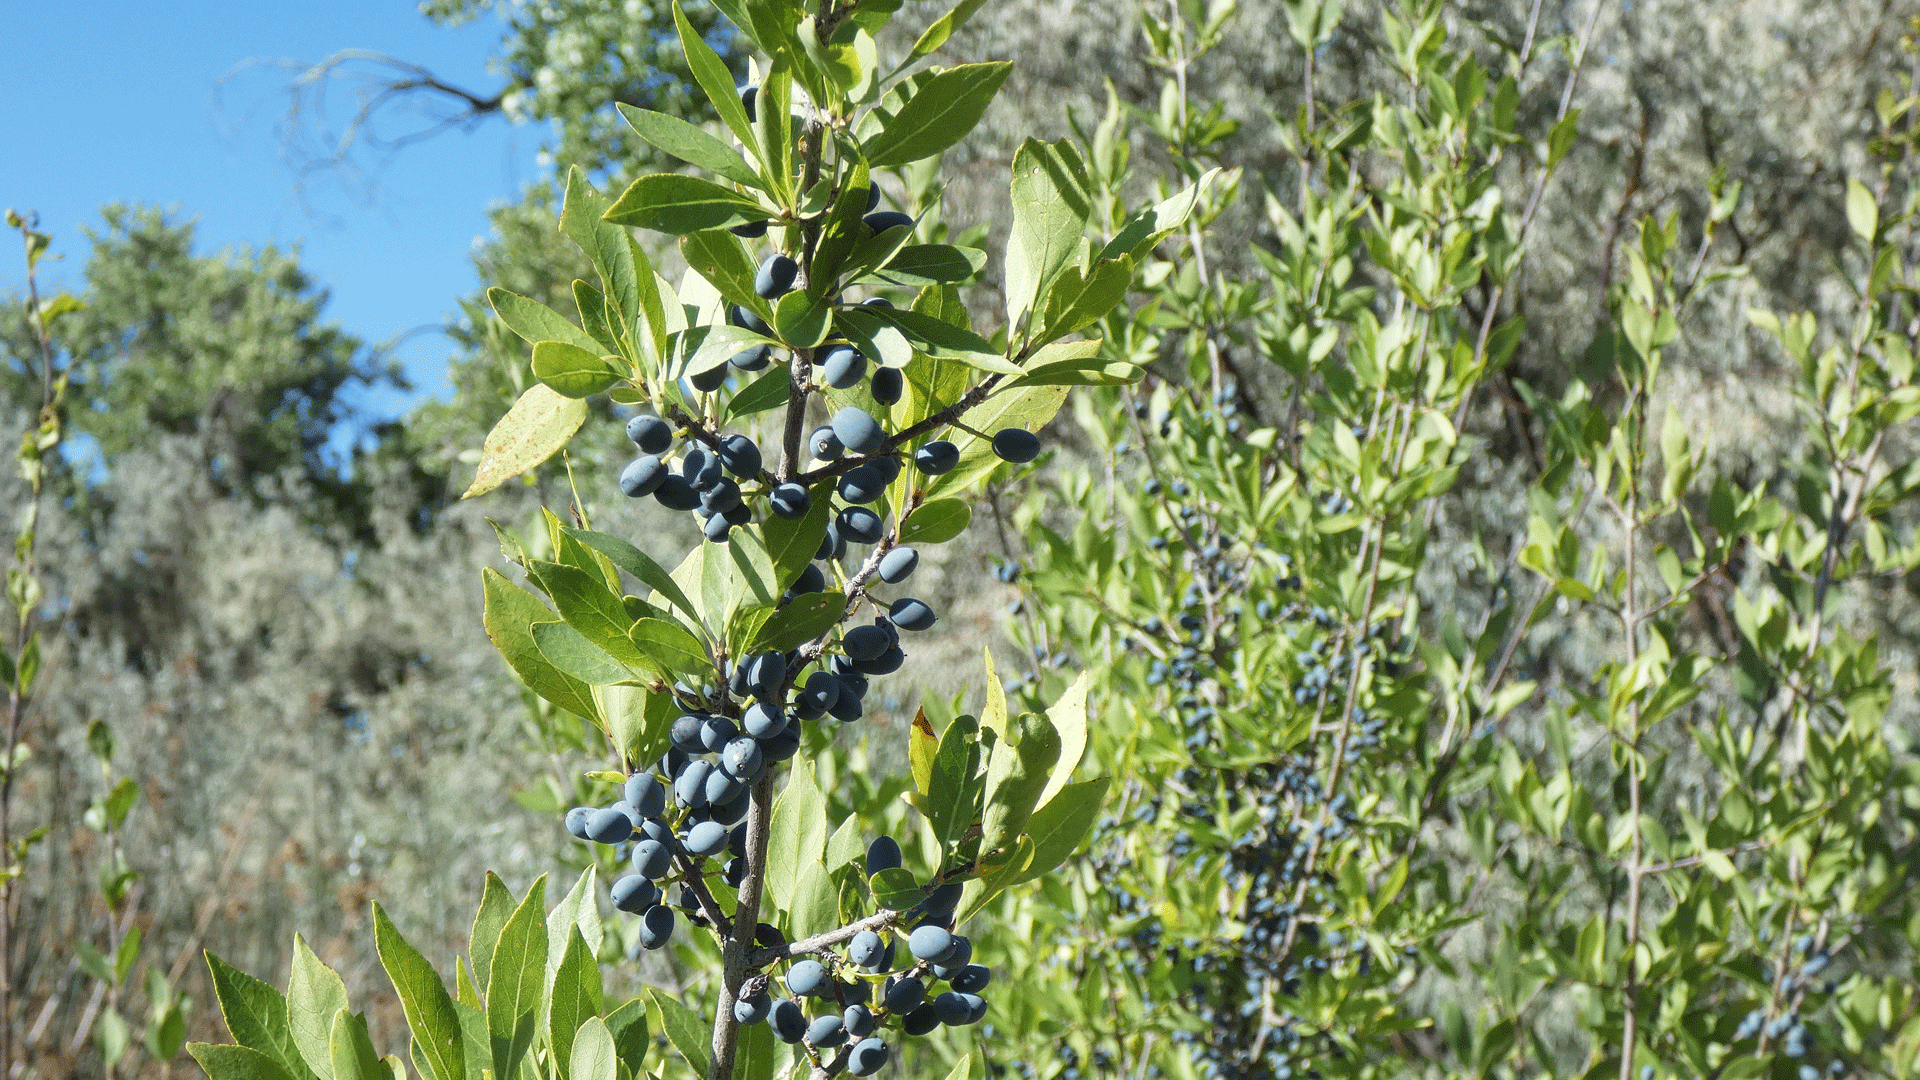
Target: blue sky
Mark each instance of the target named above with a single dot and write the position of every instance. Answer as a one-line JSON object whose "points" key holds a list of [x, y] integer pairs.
{"points": [[124, 102]]}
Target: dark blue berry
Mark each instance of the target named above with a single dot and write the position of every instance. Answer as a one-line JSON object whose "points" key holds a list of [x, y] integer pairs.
{"points": [[775, 276], [609, 826], [936, 457], [868, 1056], [806, 978], [789, 1022], [910, 614], [843, 367], [1017, 445], [887, 385], [861, 525], [898, 565], [882, 854], [643, 476], [634, 894], [656, 926], [790, 501], [858, 431], [650, 433]]}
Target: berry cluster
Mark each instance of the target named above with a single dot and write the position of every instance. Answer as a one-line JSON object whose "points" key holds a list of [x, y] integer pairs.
{"points": [[844, 982], [711, 472]]}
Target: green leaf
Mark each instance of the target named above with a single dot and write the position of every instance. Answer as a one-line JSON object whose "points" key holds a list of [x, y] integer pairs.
{"points": [[1017, 773], [940, 112], [714, 78], [591, 1053], [474, 1036], [933, 264], [993, 875], [643, 569], [236, 1063], [578, 910], [571, 654], [792, 542], [759, 1056], [719, 257], [1030, 407], [677, 204], [703, 348], [953, 792], [575, 1000], [1061, 823], [798, 834], [354, 1057], [315, 995], [1560, 139], [670, 646], [815, 907], [1068, 714], [935, 337], [517, 979], [1148, 227], [845, 227], [539, 424], [801, 620], [690, 144], [684, 1029], [993, 710], [628, 1023], [1075, 303], [588, 605], [800, 318], [770, 390], [936, 521], [638, 721], [535, 322], [942, 28], [626, 277], [895, 889], [496, 907], [598, 321], [423, 997], [1051, 207], [922, 745], [571, 371], [255, 1014], [1862, 212]]}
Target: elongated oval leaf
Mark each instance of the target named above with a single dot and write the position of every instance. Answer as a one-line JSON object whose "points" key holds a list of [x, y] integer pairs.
{"points": [[769, 391], [590, 1053], [536, 322], [1061, 823], [315, 995], [671, 203], [572, 371], [636, 563], [236, 1063], [670, 646], [256, 1015], [539, 423], [573, 655], [689, 144], [354, 1057], [932, 264], [517, 979], [802, 620], [792, 542], [942, 110], [685, 1029], [936, 521], [423, 997]]}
